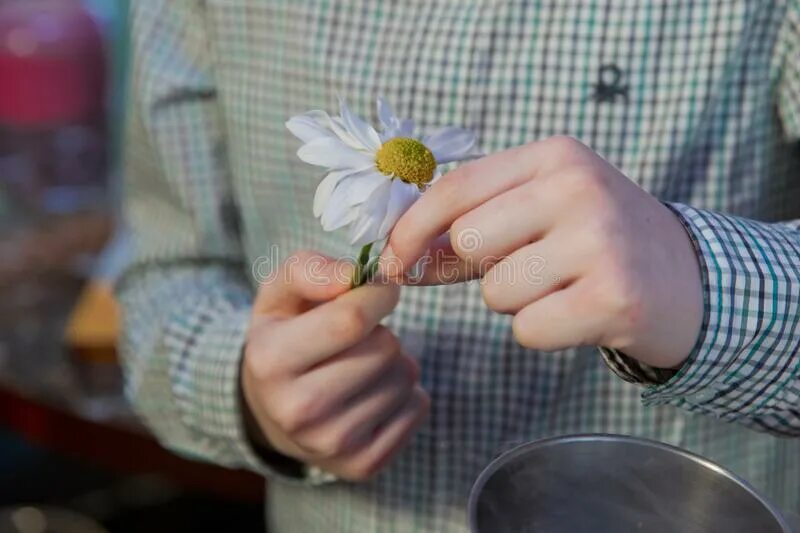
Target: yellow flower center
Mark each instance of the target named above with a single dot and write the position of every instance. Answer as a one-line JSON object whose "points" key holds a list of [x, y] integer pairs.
{"points": [[407, 159]]}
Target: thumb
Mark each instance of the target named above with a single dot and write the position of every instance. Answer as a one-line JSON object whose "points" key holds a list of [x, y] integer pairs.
{"points": [[305, 279]]}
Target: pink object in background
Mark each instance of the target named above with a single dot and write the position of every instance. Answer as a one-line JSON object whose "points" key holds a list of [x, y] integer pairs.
{"points": [[54, 209], [53, 135], [51, 63]]}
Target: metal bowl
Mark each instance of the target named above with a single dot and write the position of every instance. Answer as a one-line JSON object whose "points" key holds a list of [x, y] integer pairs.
{"points": [[614, 483]]}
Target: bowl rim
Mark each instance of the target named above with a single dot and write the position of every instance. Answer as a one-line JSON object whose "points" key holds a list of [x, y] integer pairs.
{"points": [[521, 449]]}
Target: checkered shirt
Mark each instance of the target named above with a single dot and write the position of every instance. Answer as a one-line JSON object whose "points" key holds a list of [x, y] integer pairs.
{"points": [[697, 101]]}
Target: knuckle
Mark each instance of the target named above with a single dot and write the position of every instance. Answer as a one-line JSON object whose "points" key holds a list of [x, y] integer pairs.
{"points": [[523, 332], [493, 293], [300, 257], [260, 364], [259, 370], [564, 146], [355, 473], [386, 340], [406, 377], [293, 266], [583, 182], [382, 363], [360, 471], [600, 235], [287, 419], [273, 356], [464, 237], [303, 265], [349, 323], [297, 411], [413, 370], [333, 444]]}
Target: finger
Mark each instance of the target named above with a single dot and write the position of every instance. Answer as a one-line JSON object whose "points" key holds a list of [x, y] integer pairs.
{"points": [[506, 222], [450, 197], [480, 238], [533, 272], [334, 326], [353, 424], [439, 266], [464, 189], [387, 440], [559, 321], [304, 278], [342, 377]]}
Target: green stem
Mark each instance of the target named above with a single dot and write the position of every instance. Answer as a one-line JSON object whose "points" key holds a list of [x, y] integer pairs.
{"points": [[363, 273]]}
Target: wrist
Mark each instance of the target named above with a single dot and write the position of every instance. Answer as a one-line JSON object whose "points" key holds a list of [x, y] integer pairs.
{"points": [[675, 299], [258, 441]]}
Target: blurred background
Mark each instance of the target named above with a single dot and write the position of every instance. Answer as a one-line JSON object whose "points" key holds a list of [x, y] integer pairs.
{"points": [[73, 458]]}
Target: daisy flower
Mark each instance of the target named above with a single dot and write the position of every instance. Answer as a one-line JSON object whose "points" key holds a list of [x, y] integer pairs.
{"points": [[373, 177]]}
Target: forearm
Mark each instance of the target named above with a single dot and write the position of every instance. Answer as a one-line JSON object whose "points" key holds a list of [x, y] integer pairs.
{"points": [[186, 297], [183, 332]]}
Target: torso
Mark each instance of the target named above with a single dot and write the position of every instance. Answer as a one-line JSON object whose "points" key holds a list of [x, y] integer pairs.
{"points": [[691, 118]]}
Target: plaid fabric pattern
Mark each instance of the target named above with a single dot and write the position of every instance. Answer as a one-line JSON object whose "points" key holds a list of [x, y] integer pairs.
{"points": [[696, 101]]}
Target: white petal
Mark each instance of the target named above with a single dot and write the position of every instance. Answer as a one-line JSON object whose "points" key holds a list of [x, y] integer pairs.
{"points": [[306, 128], [314, 121], [450, 144], [334, 154], [320, 116], [371, 213], [388, 135], [407, 127], [393, 126], [338, 127], [342, 203], [359, 129], [336, 216], [356, 189], [326, 187], [386, 114], [401, 129], [401, 197]]}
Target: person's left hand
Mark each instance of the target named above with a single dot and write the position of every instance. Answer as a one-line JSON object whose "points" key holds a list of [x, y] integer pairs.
{"points": [[578, 253]]}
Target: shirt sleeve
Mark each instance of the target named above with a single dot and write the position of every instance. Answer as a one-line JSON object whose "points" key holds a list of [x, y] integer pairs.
{"points": [[788, 94], [745, 366], [187, 295]]}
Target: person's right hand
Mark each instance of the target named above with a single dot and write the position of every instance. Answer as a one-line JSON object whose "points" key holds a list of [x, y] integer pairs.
{"points": [[326, 384]]}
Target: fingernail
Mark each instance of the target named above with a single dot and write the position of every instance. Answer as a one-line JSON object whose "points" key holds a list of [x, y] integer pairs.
{"points": [[417, 272], [389, 265]]}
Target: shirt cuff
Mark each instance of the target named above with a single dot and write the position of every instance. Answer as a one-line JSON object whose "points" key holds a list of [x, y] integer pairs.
{"points": [[634, 371], [744, 363], [212, 404]]}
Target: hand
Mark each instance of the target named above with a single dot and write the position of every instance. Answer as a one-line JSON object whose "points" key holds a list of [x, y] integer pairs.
{"points": [[326, 384], [578, 253]]}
